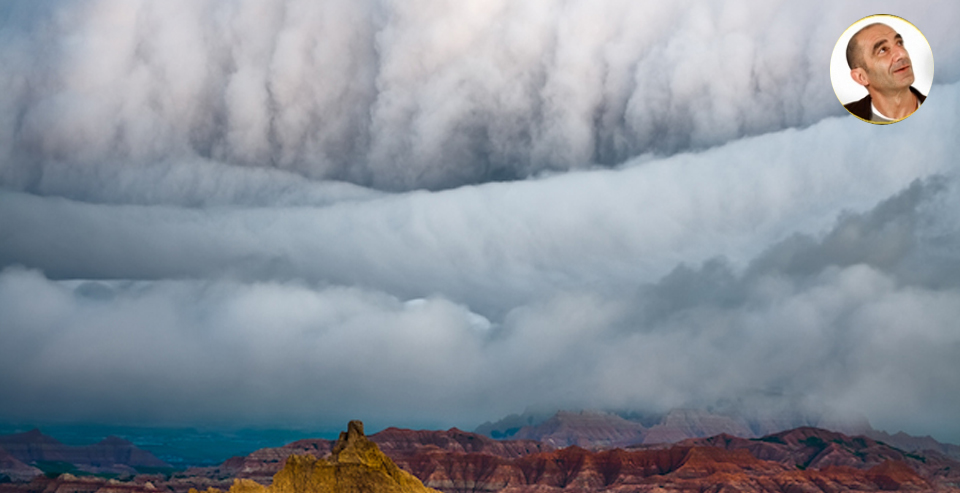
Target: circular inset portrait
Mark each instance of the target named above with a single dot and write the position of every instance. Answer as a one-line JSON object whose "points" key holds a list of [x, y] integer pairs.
{"points": [[882, 69]]}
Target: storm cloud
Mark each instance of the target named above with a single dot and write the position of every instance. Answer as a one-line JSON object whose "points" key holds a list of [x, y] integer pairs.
{"points": [[397, 95], [295, 213]]}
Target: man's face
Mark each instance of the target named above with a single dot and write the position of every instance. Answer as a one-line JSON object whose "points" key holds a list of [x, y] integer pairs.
{"points": [[886, 62]]}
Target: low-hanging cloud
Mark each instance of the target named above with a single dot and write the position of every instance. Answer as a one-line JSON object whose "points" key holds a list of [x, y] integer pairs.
{"points": [[397, 95], [858, 334]]}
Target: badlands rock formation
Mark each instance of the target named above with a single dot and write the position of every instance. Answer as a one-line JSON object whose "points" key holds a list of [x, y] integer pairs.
{"points": [[805, 459], [355, 465], [598, 430]]}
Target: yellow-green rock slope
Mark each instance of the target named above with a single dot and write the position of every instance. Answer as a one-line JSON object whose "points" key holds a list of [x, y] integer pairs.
{"points": [[356, 465]]}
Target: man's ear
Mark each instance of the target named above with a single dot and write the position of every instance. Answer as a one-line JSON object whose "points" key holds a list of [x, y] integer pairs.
{"points": [[859, 75]]}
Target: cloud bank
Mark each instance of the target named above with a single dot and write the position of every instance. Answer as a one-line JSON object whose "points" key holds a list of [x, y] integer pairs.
{"points": [[204, 217], [860, 329], [397, 95], [767, 265]]}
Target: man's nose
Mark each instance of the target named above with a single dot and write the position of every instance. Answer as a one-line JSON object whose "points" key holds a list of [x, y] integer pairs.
{"points": [[899, 52]]}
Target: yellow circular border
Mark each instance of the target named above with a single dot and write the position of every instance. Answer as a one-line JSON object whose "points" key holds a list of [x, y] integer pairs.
{"points": [[859, 23]]}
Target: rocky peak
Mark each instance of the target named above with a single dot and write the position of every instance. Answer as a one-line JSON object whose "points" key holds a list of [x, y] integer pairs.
{"points": [[353, 438], [32, 437], [355, 464]]}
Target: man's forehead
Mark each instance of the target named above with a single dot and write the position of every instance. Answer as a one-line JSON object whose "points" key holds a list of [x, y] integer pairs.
{"points": [[876, 33]]}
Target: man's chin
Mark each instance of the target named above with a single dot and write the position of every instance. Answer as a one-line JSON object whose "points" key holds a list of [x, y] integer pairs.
{"points": [[908, 81], [904, 77]]}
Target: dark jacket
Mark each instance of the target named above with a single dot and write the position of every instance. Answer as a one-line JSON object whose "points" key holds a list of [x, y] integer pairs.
{"points": [[863, 107]]}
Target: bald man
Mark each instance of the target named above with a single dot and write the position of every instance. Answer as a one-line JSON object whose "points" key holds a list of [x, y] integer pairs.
{"points": [[879, 62]]}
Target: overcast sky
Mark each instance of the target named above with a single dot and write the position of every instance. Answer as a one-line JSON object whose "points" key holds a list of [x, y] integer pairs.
{"points": [[438, 213]]}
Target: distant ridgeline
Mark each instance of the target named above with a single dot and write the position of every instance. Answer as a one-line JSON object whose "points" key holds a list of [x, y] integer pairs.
{"points": [[592, 429], [178, 447], [24, 455]]}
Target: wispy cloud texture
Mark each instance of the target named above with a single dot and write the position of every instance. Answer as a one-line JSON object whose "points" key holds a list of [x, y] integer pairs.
{"points": [[175, 248]]}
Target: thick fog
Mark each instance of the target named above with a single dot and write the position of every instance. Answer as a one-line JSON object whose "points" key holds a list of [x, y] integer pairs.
{"points": [[435, 214]]}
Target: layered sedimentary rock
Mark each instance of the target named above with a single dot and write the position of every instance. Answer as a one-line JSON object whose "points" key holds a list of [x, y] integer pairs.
{"points": [[801, 460], [409, 448], [399, 442], [813, 448], [354, 465], [697, 468], [805, 459]]}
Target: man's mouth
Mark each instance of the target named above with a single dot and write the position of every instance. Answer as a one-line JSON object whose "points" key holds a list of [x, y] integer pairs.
{"points": [[902, 69]]}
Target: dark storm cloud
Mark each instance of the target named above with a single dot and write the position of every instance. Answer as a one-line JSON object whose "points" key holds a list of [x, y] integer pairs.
{"points": [[399, 95], [491, 244]]}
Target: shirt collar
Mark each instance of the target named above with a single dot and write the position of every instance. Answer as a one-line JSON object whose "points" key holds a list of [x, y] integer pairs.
{"points": [[884, 118]]}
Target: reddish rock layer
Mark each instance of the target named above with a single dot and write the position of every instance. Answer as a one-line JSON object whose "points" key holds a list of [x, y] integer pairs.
{"points": [[814, 448], [806, 458], [407, 447], [396, 441], [698, 469]]}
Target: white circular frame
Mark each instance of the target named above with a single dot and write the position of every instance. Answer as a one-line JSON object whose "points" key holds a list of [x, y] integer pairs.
{"points": [[916, 44]]}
